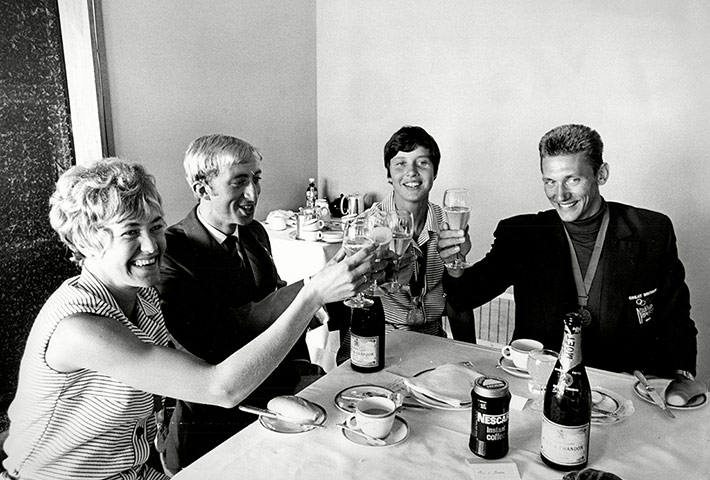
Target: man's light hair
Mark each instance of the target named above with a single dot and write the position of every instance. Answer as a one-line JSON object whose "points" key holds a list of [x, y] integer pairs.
{"points": [[207, 155]]}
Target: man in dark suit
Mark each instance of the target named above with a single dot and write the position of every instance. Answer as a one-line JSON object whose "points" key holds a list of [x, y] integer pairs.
{"points": [[220, 289], [616, 263]]}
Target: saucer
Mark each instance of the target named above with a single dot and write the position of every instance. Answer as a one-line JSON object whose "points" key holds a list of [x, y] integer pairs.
{"points": [[292, 236], [660, 385], [509, 367], [400, 431], [609, 407], [332, 237], [347, 398], [276, 425]]}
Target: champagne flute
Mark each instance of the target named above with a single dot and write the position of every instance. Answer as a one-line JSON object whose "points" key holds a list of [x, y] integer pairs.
{"points": [[457, 208], [541, 362], [401, 224], [382, 235], [356, 236]]}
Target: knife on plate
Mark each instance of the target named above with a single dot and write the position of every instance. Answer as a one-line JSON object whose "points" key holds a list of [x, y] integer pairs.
{"points": [[275, 415], [655, 396]]}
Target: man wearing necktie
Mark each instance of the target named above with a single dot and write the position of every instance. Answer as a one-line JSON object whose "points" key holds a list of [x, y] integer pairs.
{"points": [[220, 288], [616, 264]]}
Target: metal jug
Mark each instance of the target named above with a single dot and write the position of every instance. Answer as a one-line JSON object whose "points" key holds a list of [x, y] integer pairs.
{"points": [[353, 204]]}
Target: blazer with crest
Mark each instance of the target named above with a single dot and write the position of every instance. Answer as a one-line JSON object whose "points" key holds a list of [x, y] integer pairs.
{"points": [[639, 301]]}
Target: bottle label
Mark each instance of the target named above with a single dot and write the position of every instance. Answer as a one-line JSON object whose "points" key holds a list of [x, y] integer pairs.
{"points": [[364, 351], [564, 445]]}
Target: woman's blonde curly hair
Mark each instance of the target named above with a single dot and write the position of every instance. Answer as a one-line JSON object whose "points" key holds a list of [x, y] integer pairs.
{"points": [[89, 197]]}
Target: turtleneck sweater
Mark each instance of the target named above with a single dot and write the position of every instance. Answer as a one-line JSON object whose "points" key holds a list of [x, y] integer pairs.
{"points": [[584, 235]]}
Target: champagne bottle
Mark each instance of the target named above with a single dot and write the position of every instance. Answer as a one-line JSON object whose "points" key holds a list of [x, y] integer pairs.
{"points": [[567, 408], [367, 338]]}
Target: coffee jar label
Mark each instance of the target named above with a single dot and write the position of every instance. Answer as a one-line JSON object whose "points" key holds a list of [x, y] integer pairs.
{"points": [[364, 351], [563, 444]]}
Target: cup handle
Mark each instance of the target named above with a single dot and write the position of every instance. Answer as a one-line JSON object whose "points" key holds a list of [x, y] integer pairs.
{"points": [[351, 422], [321, 224], [505, 351]]}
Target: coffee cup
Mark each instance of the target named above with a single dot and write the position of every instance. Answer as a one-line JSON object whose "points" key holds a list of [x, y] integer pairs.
{"points": [[311, 235], [518, 351], [373, 416], [308, 222]]}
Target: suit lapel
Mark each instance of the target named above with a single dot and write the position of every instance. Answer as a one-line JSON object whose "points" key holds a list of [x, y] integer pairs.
{"points": [[619, 260], [212, 257]]}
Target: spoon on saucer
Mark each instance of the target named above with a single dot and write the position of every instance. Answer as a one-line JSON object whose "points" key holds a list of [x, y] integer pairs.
{"points": [[372, 440]]}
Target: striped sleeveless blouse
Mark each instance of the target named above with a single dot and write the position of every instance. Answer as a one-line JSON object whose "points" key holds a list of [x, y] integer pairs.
{"points": [[82, 425], [396, 305]]}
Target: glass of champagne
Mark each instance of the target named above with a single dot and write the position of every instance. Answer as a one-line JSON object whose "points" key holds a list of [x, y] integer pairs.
{"points": [[356, 236], [401, 224], [382, 235], [457, 208], [541, 362]]}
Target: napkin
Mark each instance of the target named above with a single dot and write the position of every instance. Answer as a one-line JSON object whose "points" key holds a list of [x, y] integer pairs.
{"points": [[679, 392], [450, 383]]}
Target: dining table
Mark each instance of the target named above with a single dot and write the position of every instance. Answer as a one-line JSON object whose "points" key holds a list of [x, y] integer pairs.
{"points": [[296, 259], [643, 444]]}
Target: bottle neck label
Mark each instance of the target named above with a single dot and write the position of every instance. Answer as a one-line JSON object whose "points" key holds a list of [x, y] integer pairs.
{"points": [[571, 352]]}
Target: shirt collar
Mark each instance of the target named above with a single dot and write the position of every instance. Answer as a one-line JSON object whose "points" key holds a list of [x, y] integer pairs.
{"points": [[216, 234]]}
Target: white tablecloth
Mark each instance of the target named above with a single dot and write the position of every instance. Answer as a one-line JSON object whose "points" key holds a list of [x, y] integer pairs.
{"points": [[296, 259], [645, 446]]}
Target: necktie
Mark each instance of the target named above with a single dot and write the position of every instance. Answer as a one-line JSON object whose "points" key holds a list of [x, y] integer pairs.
{"points": [[231, 244]]}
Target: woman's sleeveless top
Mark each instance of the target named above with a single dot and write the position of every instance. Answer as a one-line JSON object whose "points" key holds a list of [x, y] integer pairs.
{"points": [[82, 425]]}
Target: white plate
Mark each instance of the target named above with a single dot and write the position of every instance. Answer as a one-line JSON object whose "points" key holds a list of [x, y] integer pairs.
{"points": [[609, 407], [347, 398], [400, 431], [433, 402], [660, 385], [280, 426], [509, 367], [332, 238]]}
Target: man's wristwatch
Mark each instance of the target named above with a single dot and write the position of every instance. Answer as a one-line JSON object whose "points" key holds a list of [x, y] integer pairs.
{"points": [[685, 373]]}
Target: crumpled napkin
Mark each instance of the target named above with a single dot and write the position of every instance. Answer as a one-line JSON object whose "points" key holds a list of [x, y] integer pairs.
{"points": [[680, 391], [450, 383], [590, 474]]}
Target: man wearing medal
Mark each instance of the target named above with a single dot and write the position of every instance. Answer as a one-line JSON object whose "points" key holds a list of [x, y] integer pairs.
{"points": [[616, 264]]}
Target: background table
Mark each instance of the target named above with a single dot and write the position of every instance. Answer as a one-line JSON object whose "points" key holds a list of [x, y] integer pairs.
{"points": [[297, 259], [645, 446]]}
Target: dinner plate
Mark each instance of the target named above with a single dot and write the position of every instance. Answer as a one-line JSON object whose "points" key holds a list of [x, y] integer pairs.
{"points": [[509, 367], [347, 398], [609, 407], [430, 401], [660, 385], [280, 426], [399, 433]]}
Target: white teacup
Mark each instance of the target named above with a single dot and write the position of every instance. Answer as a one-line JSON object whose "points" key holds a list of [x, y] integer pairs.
{"points": [[311, 235], [373, 416], [518, 351]]}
